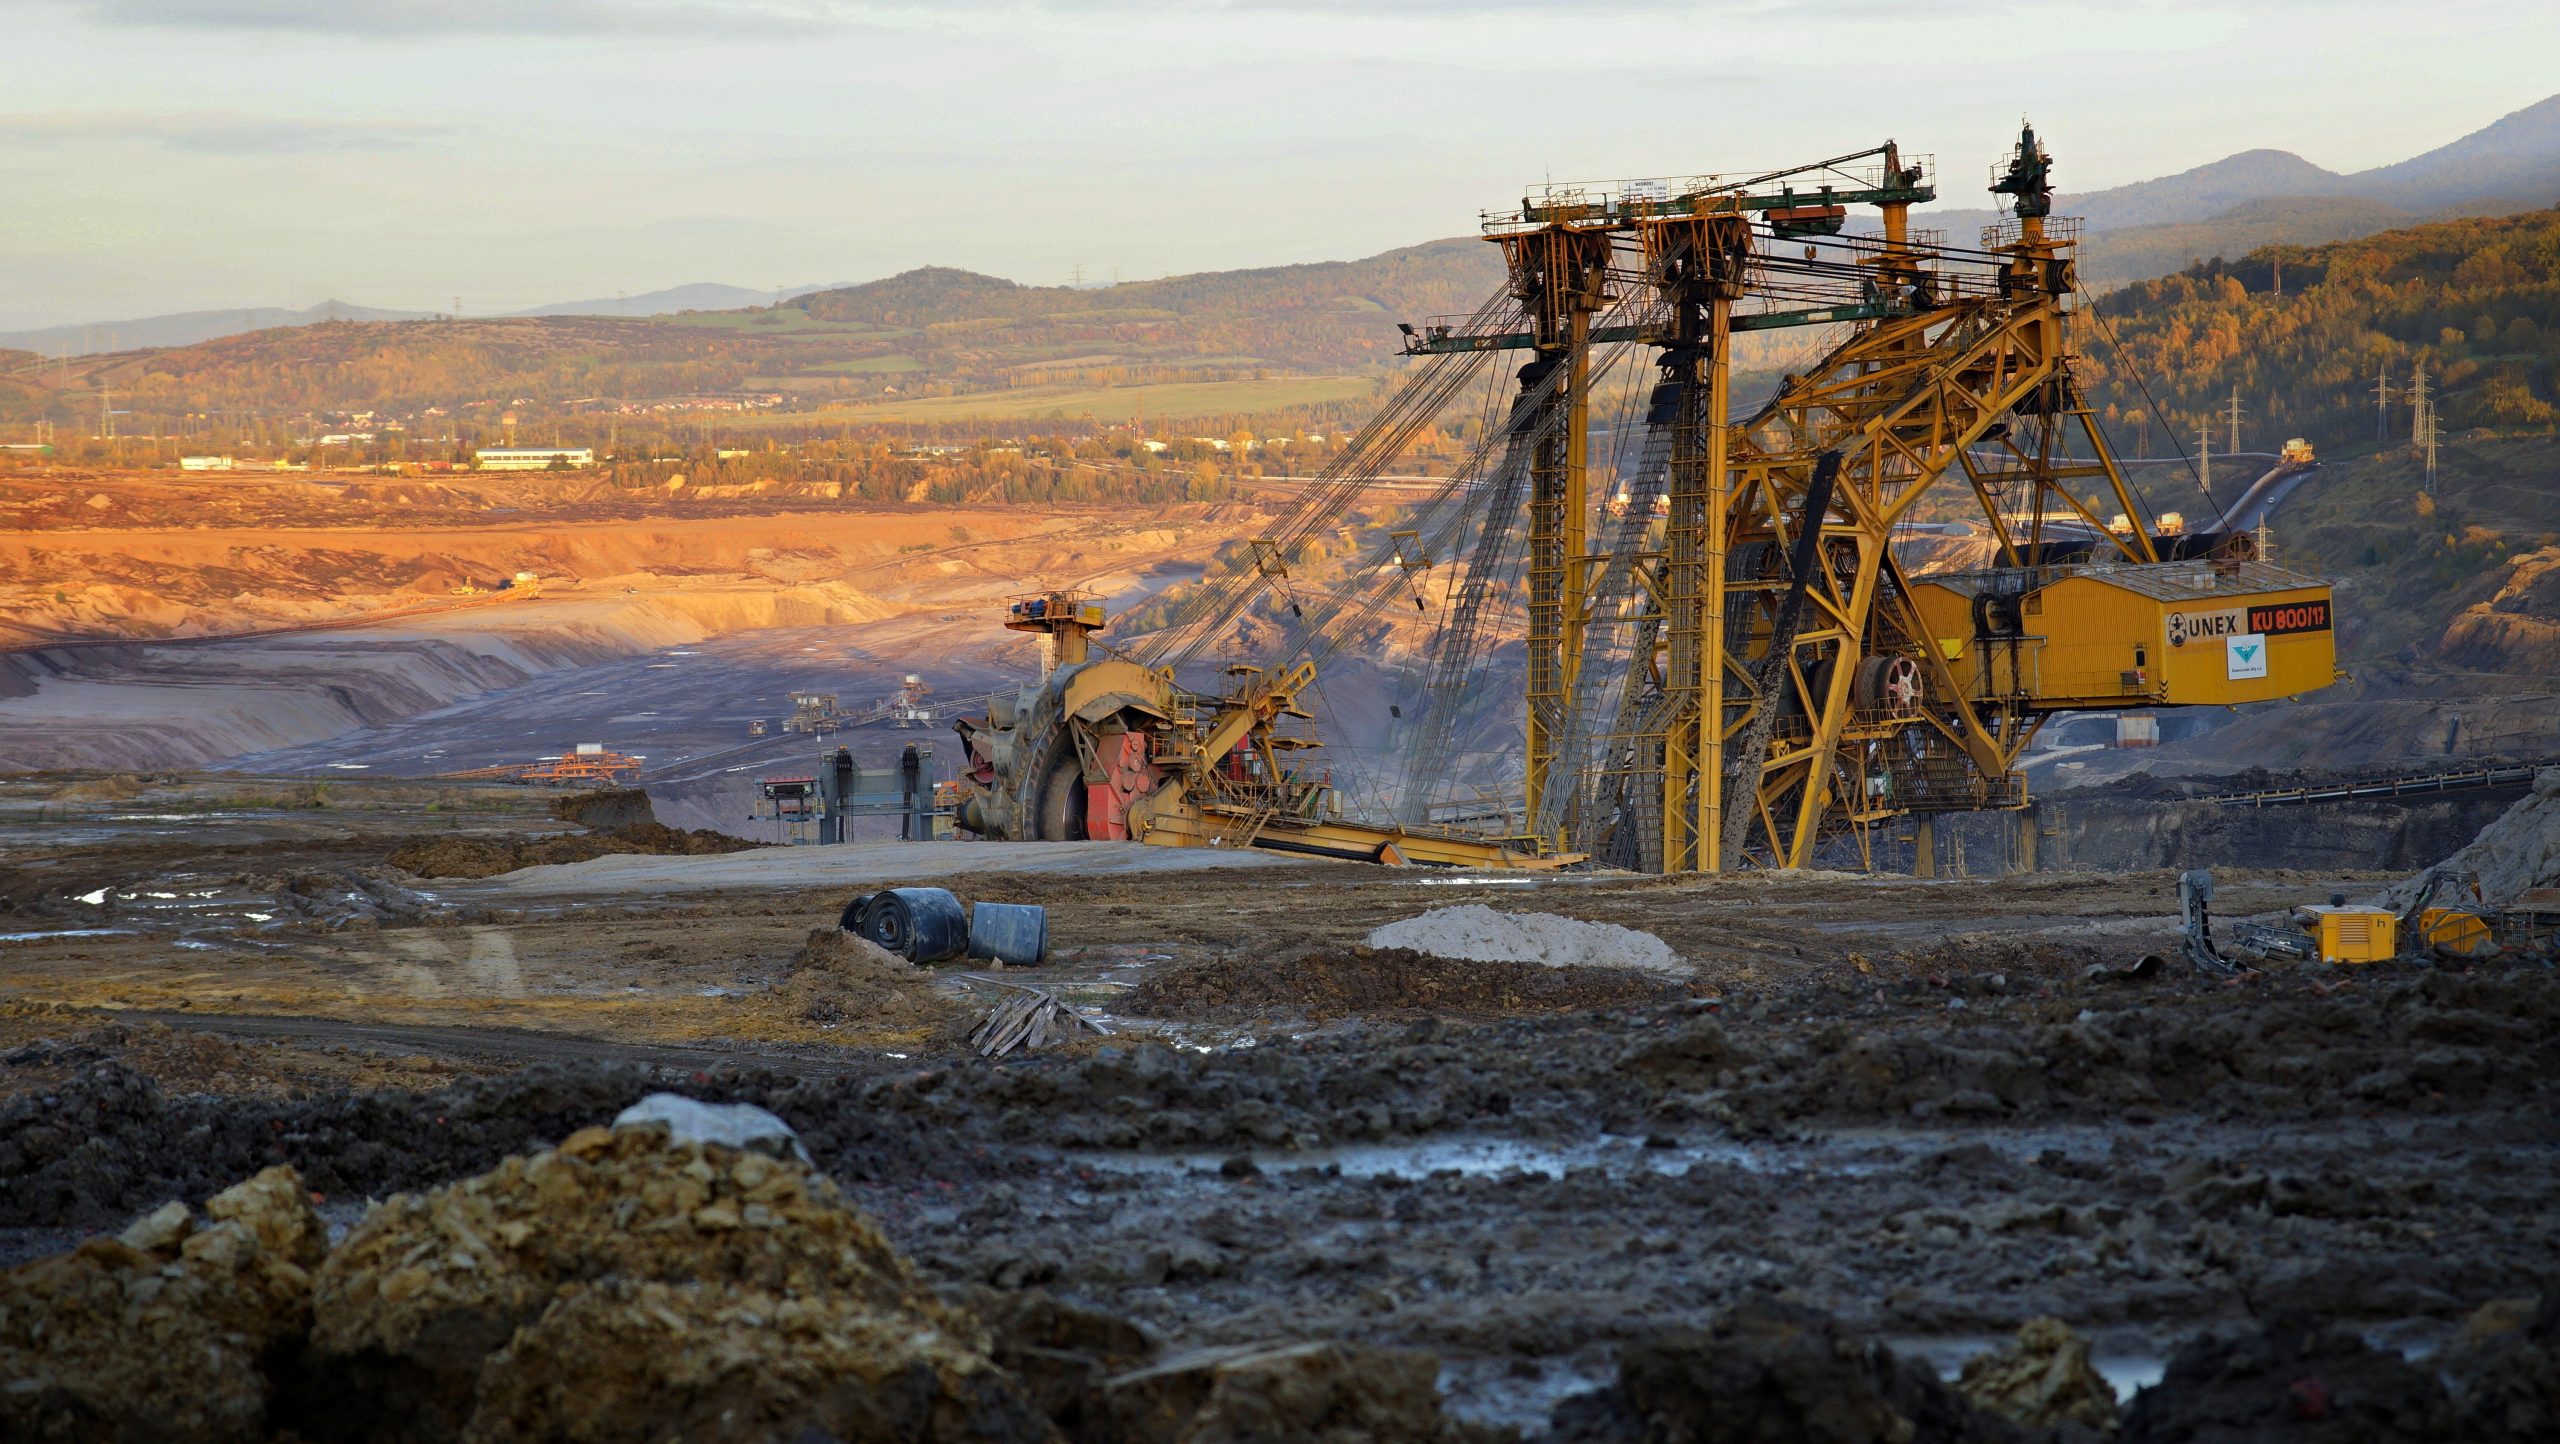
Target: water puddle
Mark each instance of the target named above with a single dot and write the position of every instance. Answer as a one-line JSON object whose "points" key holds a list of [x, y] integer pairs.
{"points": [[1518, 1393], [1482, 1157], [47, 937]]}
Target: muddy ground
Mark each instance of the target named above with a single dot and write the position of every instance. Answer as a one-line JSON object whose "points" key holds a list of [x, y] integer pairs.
{"points": [[1903, 1103]]}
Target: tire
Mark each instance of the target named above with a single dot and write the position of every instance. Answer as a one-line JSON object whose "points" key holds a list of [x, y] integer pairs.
{"points": [[1062, 802]]}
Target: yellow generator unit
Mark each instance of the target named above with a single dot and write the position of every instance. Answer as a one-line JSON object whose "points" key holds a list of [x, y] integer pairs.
{"points": [[2106, 635], [2456, 932], [2354, 934]]}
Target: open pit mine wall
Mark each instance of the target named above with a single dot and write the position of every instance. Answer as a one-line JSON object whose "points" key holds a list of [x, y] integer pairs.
{"points": [[142, 707], [2109, 834]]}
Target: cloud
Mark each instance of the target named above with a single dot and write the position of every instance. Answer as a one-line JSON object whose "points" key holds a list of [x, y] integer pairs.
{"points": [[393, 18], [759, 19], [213, 132]]}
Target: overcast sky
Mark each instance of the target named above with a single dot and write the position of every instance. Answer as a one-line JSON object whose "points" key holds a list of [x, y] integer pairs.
{"points": [[161, 155]]}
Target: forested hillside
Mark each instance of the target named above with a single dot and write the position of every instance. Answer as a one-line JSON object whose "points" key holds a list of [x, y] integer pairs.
{"points": [[2304, 333], [928, 333]]}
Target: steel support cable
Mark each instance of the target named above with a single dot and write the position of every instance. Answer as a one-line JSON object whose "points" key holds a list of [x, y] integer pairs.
{"points": [[1318, 638], [1619, 603], [1447, 690], [1450, 700], [1215, 605], [2089, 305], [1333, 621], [1490, 421], [1428, 743], [1306, 631], [1322, 508], [1366, 795], [1473, 693], [1605, 667]]}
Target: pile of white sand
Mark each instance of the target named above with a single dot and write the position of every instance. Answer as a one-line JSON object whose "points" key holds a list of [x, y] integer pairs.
{"points": [[1477, 934]]}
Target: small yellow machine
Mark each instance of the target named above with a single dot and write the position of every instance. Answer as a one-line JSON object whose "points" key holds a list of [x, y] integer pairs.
{"points": [[2343, 932], [2455, 932], [2352, 934]]}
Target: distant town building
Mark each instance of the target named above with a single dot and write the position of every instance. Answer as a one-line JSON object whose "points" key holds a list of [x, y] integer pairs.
{"points": [[205, 463], [532, 458]]}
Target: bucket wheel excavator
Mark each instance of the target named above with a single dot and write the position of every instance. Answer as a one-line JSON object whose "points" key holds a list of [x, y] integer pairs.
{"points": [[1723, 658], [1106, 748]]}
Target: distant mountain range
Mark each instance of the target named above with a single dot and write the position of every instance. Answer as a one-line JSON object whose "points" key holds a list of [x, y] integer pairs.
{"points": [[700, 296], [186, 328], [2273, 197], [2149, 228]]}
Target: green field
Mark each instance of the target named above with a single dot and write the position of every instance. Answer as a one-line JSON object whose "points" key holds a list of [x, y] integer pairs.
{"points": [[1169, 399], [869, 365]]}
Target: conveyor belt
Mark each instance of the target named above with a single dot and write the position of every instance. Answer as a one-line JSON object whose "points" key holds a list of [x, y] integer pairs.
{"points": [[2469, 779]]}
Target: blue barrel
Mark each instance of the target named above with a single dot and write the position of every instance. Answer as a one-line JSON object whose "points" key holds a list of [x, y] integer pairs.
{"points": [[1015, 933], [920, 924]]}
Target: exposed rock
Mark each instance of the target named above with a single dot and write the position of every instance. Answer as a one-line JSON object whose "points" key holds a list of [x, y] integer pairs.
{"points": [[2517, 630], [2506, 1369], [2518, 853], [1061, 1355], [2042, 1378], [625, 1287], [1774, 1373], [165, 1333], [1323, 1393], [2291, 1382], [626, 1360]]}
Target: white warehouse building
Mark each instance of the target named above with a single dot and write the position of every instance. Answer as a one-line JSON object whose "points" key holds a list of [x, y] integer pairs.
{"points": [[532, 458]]}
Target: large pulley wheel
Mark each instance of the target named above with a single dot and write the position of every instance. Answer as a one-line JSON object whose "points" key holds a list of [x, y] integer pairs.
{"points": [[1890, 685], [1062, 802], [920, 924]]}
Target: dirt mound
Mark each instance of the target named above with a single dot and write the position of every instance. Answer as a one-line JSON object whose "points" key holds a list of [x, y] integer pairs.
{"points": [[45, 1045], [619, 1287], [838, 978], [615, 1288], [162, 1333], [1774, 1373], [2515, 854], [469, 857], [622, 1286], [2293, 1383], [2507, 1367], [2517, 630], [1322, 1392], [117, 787], [1324, 984], [1061, 1354], [1477, 933], [2042, 1378], [607, 809]]}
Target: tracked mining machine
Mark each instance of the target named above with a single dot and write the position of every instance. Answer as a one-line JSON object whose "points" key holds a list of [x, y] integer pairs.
{"points": [[1727, 662], [1107, 748]]}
